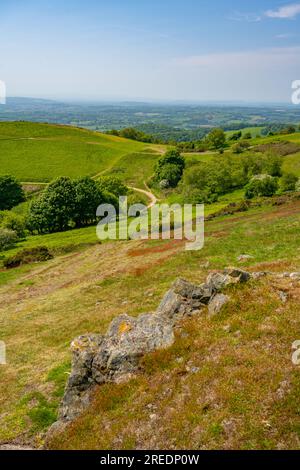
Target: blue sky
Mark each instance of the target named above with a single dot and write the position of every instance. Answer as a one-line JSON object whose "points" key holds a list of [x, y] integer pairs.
{"points": [[161, 50]]}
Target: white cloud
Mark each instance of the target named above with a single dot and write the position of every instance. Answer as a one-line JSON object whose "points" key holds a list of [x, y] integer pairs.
{"points": [[249, 17], [287, 11], [285, 36], [261, 57]]}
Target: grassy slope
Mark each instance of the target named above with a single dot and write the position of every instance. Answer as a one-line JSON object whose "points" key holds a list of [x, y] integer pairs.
{"points": [[254, 131], [40, 152], [232, 401]]}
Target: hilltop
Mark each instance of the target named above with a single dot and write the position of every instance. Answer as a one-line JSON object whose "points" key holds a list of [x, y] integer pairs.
{"points": [[35, 152]]}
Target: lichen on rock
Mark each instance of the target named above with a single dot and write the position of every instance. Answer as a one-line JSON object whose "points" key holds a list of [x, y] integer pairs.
{"points": [[115, 356]]}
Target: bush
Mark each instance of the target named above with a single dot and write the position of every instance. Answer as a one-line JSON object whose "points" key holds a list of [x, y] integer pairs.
{"points": [[288, 182], [171, 173], [261, 185], [170, 167], [240, 147], [7, 238], [33, 255], [11, 192], [13, 222], [204, 183]]}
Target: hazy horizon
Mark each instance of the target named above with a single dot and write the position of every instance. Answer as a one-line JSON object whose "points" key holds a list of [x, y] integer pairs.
{"points": [[136, 51]]}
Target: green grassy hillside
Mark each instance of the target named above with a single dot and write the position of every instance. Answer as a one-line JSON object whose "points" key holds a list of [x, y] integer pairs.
{"points": [[40, 152], [234, 400]]}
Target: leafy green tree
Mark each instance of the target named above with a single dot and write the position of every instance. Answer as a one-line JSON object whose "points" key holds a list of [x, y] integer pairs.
{"points": [[171, 173], [54, 210], [216, 139], [171, 162], [11, 192], [236, 135], [88, 196], [113, 185]]}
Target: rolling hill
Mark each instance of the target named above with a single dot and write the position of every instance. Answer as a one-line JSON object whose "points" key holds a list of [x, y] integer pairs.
{"points": [[35, 152]]}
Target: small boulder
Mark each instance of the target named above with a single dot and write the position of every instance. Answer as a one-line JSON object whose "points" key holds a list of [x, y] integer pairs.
{"points": [[217, 303], [243, 258]]}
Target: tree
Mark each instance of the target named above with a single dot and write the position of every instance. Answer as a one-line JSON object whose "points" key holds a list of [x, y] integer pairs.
{"points": [[236, 135], [11, 192], [216, 139], [112, 185], [288, 182], [171, 173], [170, 167], [54, 209], [88, 196]]}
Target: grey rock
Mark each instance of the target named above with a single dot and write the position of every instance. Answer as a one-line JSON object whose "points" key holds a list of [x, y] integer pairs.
{"points": [[218, 281], [115, 357], [237, 275], [259, 275], [283, 296], [295, 276], [242, 258], [217, 303]]}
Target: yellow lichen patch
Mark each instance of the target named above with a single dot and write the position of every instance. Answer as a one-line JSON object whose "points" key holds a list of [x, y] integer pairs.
{"points": [[124, 327]]}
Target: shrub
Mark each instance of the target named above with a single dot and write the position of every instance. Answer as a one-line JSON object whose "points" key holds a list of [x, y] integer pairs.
{"points": [[171, 173], [288, 182], [7, 238], [13, 222], [11, 192], [170, 167], [261, 185], [240, 147], [33, 255]]}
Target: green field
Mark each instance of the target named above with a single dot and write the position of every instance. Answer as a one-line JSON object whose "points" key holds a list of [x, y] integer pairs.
{"points": [[254, 131], [41, 152]]}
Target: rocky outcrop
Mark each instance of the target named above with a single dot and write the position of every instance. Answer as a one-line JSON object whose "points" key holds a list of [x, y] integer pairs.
{"points": [[114, 357]]}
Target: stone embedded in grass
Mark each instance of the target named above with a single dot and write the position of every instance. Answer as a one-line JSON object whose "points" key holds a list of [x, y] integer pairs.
{"points": [[217, 303], [218, 281], [295, 276], [243, 258]]}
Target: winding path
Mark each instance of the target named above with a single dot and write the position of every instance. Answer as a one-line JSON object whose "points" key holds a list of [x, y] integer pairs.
{"points": [[151, 196]]}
